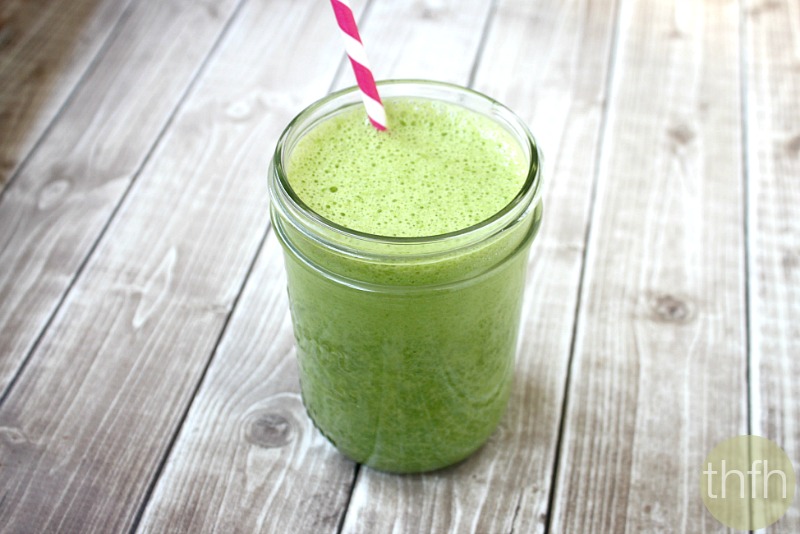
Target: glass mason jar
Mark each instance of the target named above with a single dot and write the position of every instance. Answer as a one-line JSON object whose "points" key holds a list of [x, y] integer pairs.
{"points": [[405, 345]]}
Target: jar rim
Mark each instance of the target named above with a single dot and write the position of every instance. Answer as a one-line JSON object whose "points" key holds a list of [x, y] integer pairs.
{"points": [[315, 225]]}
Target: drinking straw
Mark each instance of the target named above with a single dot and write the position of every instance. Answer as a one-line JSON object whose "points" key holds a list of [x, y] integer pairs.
{"points": [[358, 60]]}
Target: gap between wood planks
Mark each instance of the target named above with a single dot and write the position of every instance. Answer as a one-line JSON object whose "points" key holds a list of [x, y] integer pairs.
{"points": [[751, 410]]}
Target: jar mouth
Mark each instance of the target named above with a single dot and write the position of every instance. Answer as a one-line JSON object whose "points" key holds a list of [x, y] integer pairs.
{"points": [[290, 205]]}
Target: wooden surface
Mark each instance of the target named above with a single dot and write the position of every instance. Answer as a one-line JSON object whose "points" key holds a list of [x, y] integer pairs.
{"points": [[772, 59], [659, 367], [46, 48], [147, 373]]}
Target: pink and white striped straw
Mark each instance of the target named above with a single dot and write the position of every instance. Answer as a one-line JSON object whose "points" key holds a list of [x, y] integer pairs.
{"points": [[358, 59]]}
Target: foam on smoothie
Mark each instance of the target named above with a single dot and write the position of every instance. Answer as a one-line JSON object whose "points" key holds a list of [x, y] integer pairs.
{"points": [[439, 168]]}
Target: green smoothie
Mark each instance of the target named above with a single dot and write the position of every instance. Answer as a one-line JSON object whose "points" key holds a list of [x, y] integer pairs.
{"points": [[440, 168], [406, 346]]}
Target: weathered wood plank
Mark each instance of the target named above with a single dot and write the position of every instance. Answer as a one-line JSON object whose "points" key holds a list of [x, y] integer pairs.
{"points": [[247, 458], [241, 483], [659, 370], [45, 48], [548, 62], [52, 214], [430, 39], [772, 57], [84, 428]]}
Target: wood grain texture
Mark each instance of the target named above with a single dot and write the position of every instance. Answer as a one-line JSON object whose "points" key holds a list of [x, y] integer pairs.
{"points": [[46, 46], [772, 48], [85, 427], [264, 466], [53, 213], [659, 370], [548, 62], [429, 39], [248, 458]]}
